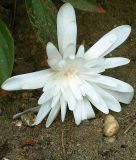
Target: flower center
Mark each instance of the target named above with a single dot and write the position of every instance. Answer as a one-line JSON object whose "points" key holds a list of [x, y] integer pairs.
{"points": [[70, 72]]}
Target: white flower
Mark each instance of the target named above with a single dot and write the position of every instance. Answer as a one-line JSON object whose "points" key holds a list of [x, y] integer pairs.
{"points": [[75, 79]]}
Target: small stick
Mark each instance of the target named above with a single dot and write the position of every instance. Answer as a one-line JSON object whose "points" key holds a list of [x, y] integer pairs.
{"points": [[63, 146], [34, 109], [130, 126]]}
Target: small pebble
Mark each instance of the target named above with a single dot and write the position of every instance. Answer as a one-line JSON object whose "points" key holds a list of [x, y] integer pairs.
{"points": [[111, 126], [28, 118], [18, 123], [78, 144]]}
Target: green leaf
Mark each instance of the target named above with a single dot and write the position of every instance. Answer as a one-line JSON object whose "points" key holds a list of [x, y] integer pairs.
{"points": [[42, 14], [86, 5], [6, 52]]}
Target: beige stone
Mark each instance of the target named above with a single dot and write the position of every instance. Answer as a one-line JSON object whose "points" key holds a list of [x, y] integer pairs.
{"points": [[111, 126]]}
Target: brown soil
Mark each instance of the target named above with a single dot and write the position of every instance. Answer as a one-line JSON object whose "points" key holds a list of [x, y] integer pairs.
{"points": [[66, 140]]}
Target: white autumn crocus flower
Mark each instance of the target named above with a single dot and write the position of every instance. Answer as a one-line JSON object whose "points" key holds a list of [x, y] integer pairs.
{"points": [[74, 78]]}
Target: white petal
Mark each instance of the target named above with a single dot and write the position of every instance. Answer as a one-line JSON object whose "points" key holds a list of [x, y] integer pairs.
{"points": [[120, 85], [31, 84], [53, 63], [63, 105], [66, 29], [91, 71], [82, 90], [106, 81], [69, 51], [95, 98], [122, 33], [88, 109], [81, 109], [100, 47], [81, 51], [89, 90], [94, 62], [122, 96], [56, 90], [77, 80], [33, 80], [52, 81], [74, 88], [115, 62], [44, 110], [55, 100], [111, 101], [52, 52], [100, 79], [53, 114], [69, 98], [77, 115], [47, 95], [53, 56]]}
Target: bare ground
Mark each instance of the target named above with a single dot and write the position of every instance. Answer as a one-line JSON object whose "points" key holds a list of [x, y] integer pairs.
{"points": [[66, 140]]}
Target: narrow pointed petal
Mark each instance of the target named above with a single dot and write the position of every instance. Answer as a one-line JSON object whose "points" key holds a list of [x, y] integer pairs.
{"points": [[81, 51], [53, 114], [100, 80], [121, 96], [95, 98], [75, 89], [111, 101], [31, 84], [69, 98], [55, 100], [92, 71], [122, 32], [94, 62], [63, 105], [77, 115], [120, 85], [53, 55], [47, 95], [52, 52], [88, 109], [89, 90], [115, 62], [33, 80], [83, 110], [51, 83], [44, 110], [100, 47], [66, 29], [69, 50]]}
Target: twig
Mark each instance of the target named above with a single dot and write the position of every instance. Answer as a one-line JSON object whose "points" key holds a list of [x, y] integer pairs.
{"points": [[130, 126], [34, 109], [63, 146]]}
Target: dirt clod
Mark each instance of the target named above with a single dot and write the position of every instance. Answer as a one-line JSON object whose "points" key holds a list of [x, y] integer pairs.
{"points": [[25, 142], [28, 118]]}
